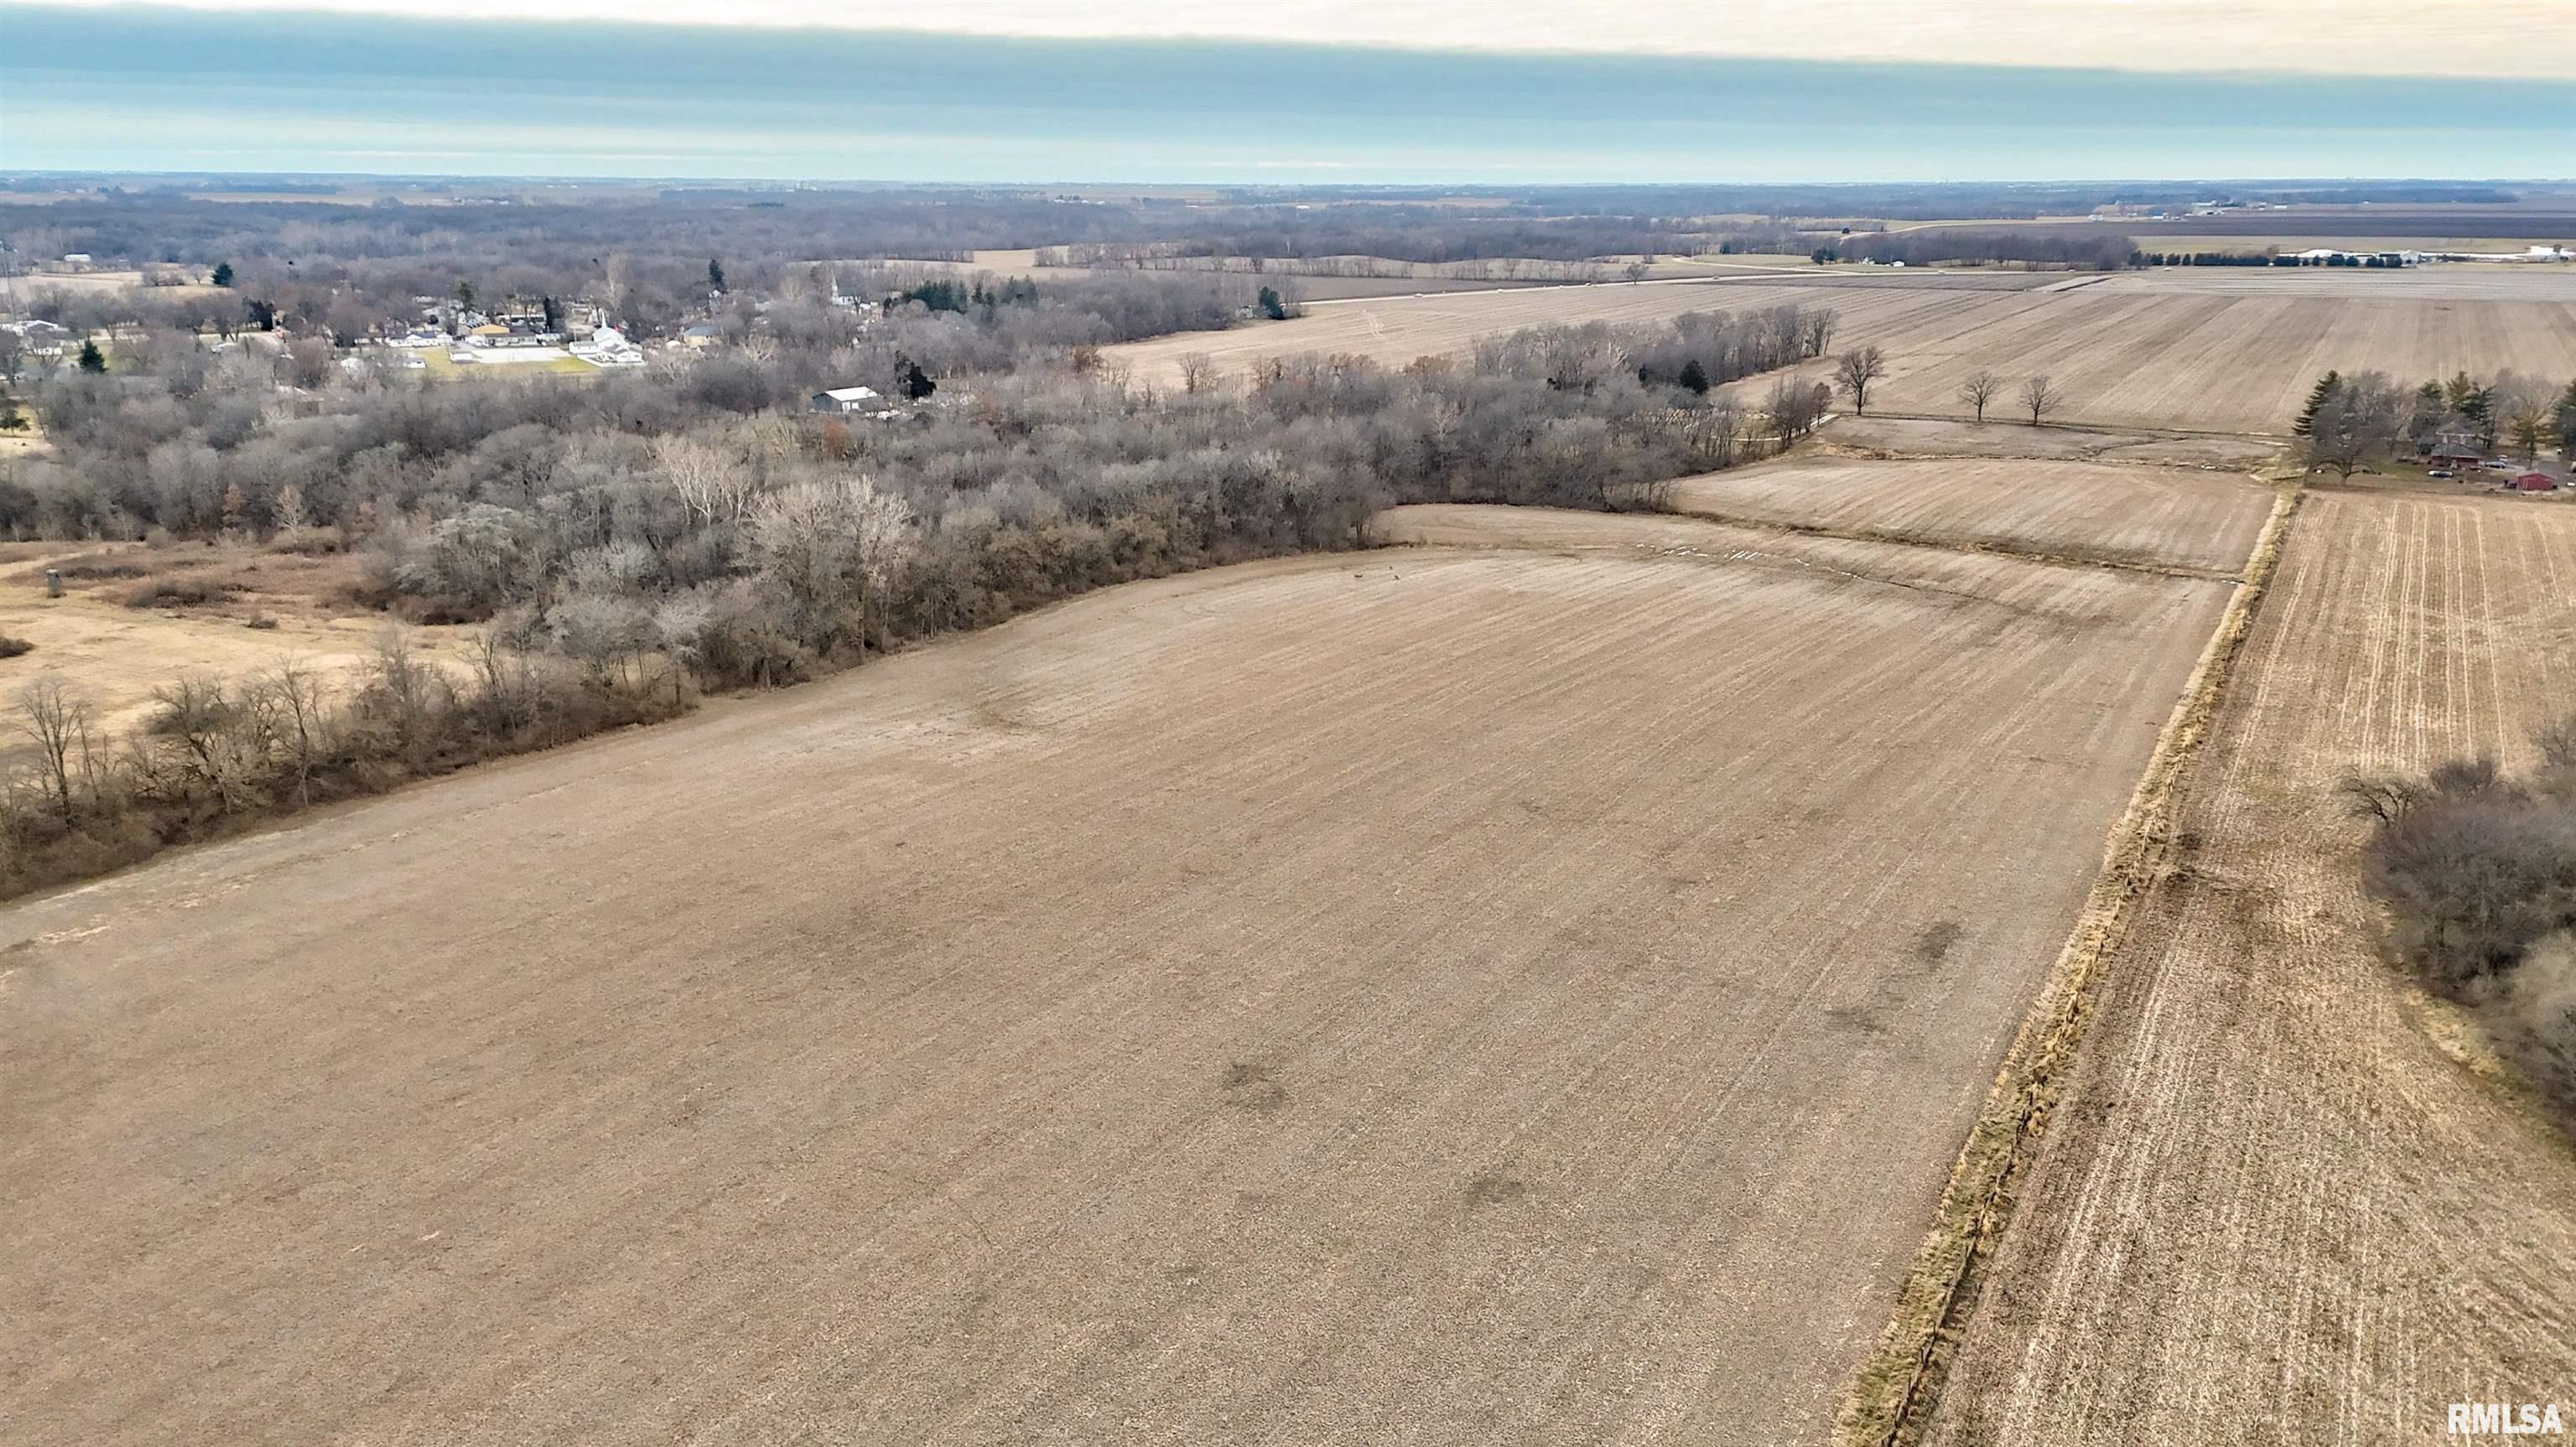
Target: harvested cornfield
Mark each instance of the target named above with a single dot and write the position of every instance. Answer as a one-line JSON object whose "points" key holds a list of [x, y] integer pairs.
{"points": [[1877, 435], [2285, 1199], [2122, 355], [2141, 516], [1524, 991]]}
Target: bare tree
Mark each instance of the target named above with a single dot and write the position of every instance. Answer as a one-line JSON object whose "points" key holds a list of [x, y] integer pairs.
{"points": [[1796, 407], [2361, 419], [1858, 368], [294, 696], [1198, 372], [834, 545], [59, 722], [1980, 390], [711, 481], [2039, 397], [216, 742], [1818, 327], [1635, 271]]}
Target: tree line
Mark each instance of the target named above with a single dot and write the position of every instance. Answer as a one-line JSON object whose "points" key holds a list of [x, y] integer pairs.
{"points": [[2352, 419], [629, 542]]}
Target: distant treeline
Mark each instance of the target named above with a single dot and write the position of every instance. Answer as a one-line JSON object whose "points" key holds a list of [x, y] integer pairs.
{"points": [[2081, 248], [2244, 258]]}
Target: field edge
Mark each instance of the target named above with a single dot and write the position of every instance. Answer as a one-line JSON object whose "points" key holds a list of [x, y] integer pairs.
{"points": [[1895, 1385]]}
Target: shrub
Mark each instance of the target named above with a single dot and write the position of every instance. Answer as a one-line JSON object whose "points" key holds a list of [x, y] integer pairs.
{"points": [[14, 647], [168, 592], [2477, 873], [309, 541], [217, 754]]}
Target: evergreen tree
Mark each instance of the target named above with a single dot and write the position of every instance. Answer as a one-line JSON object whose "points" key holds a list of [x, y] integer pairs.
{"points": [[2468, 398], [465, 294], [1271, 306], [2565, 416], [715, 274], [2323, 393], [554, 313], [1695, 377], [916, 382], [92, 360], [223, 273]]}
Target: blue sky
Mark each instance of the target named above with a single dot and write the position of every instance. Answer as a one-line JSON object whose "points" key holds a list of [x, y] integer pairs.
{"points": [[145, 89]]}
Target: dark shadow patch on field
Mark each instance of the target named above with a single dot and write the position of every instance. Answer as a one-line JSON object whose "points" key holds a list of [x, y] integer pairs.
{"points": [[1250, 1086]]}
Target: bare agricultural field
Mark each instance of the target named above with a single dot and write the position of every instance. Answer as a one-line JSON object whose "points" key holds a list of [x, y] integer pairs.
{"points": [[2482, 281], [2124, 354], [1910, 437], [2280, 1200], [1522, 992], [2124, 513]]}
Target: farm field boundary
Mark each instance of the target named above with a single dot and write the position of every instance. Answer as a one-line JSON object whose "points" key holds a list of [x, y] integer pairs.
{"points": [[1898, 1381]]}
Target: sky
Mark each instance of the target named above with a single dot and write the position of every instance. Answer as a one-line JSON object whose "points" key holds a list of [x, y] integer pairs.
{"points": [[2354, 37], [222, 87]]}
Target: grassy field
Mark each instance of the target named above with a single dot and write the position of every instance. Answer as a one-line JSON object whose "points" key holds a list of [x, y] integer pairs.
{"points": [[1428, 993], [2283, 1197], [2192, 348], [114, 655]]}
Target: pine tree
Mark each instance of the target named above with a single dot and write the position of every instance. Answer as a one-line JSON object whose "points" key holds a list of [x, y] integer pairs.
{"points": [[2327, 386], [1695, 377], [2565, 416], [1271, 305], [715, 274], [916, 382], [223, 273], [92, 360]]}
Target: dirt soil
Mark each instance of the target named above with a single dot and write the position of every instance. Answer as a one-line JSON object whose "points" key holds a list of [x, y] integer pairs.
{"points": [[1877, 435], [2137, 515], [1530, 992], [2238, 360], [2286, 1199]]}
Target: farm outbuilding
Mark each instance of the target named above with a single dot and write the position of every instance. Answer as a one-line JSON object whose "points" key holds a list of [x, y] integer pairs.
{"points": [[851, 402], [2535, 482]]}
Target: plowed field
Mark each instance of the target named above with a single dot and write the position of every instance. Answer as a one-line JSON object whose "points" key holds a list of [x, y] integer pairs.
{"points": [[2124, 355], [2144, 516], [1528, 992], [2275, 1206]]}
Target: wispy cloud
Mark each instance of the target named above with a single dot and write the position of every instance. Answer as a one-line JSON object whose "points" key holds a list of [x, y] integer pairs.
{"points": [[2357, 37]]}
